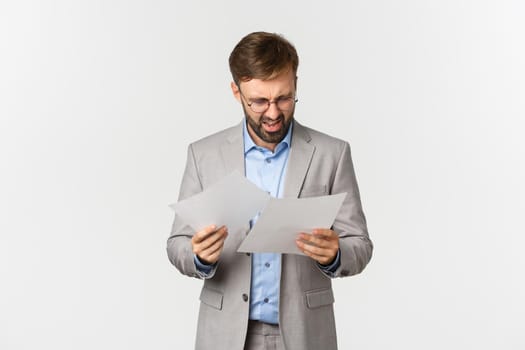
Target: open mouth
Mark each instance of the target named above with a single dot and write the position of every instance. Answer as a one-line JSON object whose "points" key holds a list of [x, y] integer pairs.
{"points": [[272, 125]]}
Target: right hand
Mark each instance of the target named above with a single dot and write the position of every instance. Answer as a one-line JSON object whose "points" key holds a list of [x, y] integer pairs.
{"points": [[207, 244]]}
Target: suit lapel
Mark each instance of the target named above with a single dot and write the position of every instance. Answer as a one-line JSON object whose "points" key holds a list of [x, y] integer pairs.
{"points": [[301, 153], [233, 151], [299, 161]]}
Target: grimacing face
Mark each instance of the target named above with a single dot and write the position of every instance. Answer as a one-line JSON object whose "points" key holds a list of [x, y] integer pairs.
{"points": [[267, 129]]}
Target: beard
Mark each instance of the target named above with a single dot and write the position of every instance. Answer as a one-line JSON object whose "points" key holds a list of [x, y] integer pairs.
{"points": [[269, 137]]}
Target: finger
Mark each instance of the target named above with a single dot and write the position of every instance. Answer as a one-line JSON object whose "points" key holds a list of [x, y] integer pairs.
{"points": [[314, 250], [323, 232], [213, 258], [319, 252], [202, 234], [214, 246], [210, 240], [322, 259], [211, 255], [316, 240], [207, 232]]}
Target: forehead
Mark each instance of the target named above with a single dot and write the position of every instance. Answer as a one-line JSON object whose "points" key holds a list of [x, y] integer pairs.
{"points": [[282, 84]]}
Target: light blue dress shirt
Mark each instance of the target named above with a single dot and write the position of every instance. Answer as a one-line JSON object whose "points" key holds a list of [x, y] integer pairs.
{"points": [[267, 170]]}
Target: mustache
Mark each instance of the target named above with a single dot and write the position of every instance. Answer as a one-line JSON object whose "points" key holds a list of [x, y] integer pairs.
{"points": [[265, 119]]}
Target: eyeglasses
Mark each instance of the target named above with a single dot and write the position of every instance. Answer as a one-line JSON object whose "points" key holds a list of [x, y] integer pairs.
{"points": [[260, 105]]}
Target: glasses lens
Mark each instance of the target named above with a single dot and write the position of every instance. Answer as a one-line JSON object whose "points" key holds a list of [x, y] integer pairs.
{"points": [[259, 106], [285, 104]]}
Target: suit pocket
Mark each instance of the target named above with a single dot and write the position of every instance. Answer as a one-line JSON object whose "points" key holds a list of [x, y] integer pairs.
{"points": [[314, 191], [317, 298], [211, 298]]}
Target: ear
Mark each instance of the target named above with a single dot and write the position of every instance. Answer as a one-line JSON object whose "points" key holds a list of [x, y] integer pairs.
{"points": [[296, 77], [235, 90]]}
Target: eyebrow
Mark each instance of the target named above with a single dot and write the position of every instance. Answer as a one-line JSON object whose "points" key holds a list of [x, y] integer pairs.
{"points": [[288, 95]]}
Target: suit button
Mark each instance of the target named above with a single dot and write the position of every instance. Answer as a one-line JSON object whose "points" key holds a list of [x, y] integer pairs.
{"points": [[245, 297], [248, 254]]}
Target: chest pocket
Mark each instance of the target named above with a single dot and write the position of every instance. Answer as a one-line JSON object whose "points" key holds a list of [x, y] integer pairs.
{"points": [[318, 298]]}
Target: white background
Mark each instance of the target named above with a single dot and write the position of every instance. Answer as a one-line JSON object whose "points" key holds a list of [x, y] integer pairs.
{"points": [[99, 99]]}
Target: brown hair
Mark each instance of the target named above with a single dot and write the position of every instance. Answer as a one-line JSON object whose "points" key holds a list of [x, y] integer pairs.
{"points": [[262, 55]]}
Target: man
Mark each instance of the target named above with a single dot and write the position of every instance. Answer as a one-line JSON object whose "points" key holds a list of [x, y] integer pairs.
{"points": [[270, 301]]}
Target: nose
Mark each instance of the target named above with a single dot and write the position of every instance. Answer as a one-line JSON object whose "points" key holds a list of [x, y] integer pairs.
{"points": [[272, 111]]}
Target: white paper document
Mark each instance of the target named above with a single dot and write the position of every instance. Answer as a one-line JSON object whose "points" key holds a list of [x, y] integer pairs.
{"points": [[233, 201], [282, 220]]}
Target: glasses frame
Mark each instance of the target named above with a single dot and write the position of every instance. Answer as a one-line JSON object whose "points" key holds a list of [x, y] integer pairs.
{"points": [[269, 102]]}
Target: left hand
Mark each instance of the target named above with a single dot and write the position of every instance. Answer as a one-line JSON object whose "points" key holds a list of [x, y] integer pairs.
{"points": [[322, 245]]}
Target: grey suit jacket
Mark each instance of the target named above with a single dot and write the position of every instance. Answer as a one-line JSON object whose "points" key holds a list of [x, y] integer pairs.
{"points": [[317, 165]]}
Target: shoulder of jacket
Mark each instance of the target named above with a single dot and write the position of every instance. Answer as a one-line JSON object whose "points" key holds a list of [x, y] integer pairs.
{"points": [[320, 138]]}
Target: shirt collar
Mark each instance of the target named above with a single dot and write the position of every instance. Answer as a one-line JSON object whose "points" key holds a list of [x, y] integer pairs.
{"points": [[249, 144]]}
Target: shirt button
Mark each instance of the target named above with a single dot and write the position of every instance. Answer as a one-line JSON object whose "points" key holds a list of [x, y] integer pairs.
{"points": [[268, 160], [266, 300], [245, 297], [267, 264]]}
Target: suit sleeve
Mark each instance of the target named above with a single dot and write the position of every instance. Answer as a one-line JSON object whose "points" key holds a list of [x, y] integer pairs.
{"points": [[179, 249], [354, 243]]}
